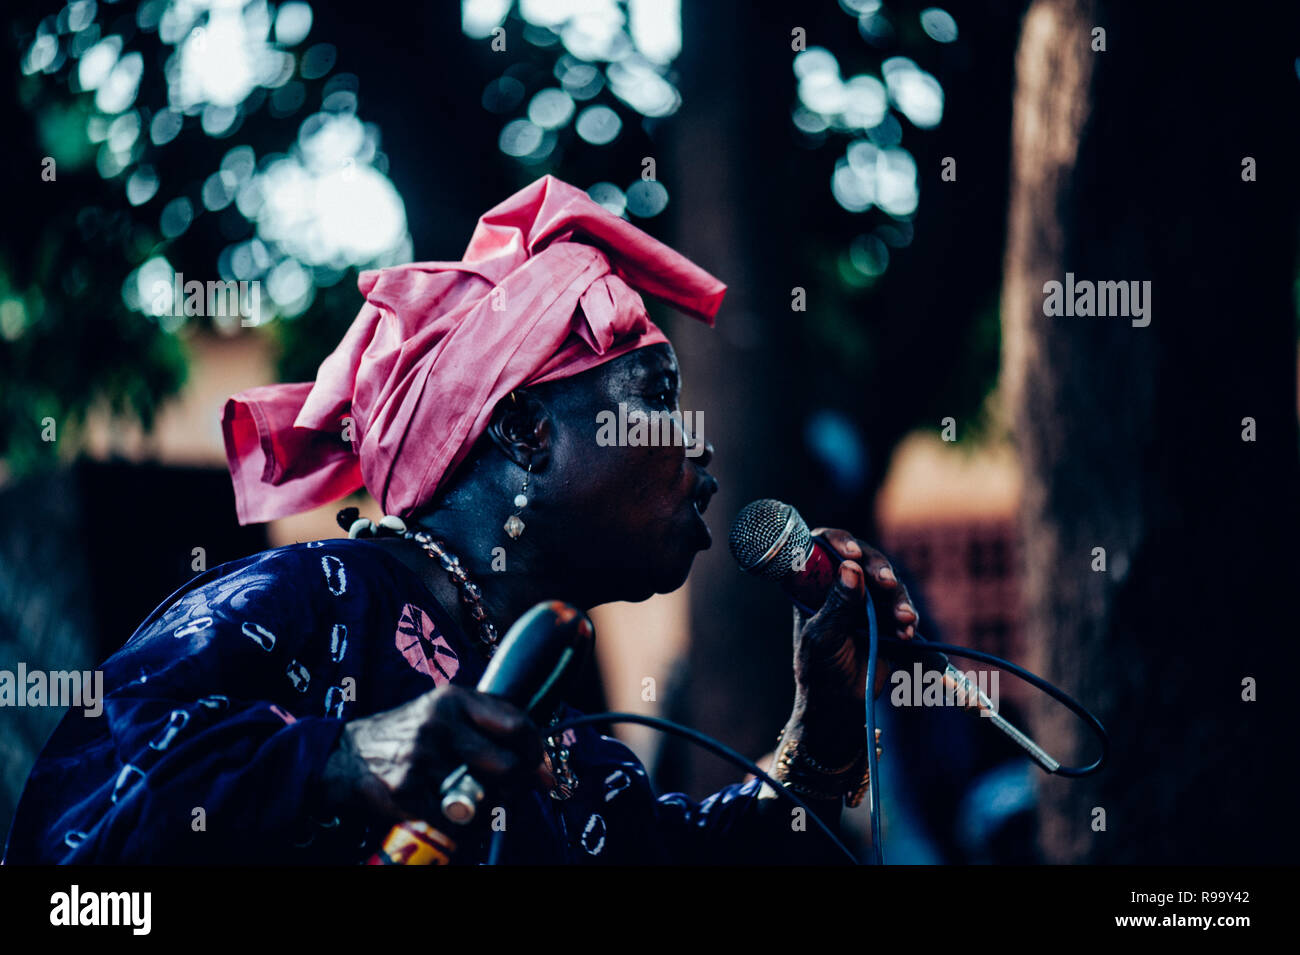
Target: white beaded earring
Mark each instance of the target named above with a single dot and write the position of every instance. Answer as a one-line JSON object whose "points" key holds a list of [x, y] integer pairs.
{"points": [[514, 526]]}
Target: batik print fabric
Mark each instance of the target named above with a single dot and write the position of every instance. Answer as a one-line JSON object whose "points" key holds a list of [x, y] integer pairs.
{"points": [[222, 709]]}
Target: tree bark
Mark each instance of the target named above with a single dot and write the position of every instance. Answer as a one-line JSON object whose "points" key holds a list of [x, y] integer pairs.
{"points": [[1128, 165], [733, 216]]}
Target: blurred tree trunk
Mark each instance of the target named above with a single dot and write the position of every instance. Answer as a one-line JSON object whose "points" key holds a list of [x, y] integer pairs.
{"points": [[734, 219], [1127, 165]]}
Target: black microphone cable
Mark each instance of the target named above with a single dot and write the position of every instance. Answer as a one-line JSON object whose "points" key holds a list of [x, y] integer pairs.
{"points": [[873, 770], [694, 736], [1034, 680], [874, 641]]}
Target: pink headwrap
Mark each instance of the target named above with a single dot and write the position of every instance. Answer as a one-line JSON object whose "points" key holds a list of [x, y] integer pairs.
{"points": [[438, 344]]}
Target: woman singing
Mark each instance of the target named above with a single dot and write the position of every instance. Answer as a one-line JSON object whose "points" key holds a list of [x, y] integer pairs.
{"points": [[291, 706]]}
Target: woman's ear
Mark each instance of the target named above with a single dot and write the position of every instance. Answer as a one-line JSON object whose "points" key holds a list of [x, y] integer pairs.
{"points": [[521, 427]]}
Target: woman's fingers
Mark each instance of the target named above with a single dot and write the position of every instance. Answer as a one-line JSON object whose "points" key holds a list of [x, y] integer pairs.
{"points": [[407, 752], [493, 715], [498, 739], [885, 585], [492, 737], [845, 544], [488, 761]]}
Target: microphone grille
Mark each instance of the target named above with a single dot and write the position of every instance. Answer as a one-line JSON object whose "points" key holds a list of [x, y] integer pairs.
{"points": [[766, 537]]}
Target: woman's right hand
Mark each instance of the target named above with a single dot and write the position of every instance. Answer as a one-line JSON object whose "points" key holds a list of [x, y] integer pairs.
{"points": [[394, 762]]}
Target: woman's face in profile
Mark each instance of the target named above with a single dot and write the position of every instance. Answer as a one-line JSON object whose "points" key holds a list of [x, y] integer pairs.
{"points": [[634, 500]]}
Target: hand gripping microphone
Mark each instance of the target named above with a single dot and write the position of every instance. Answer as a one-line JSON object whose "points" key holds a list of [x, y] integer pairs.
{"points": [[545, 645], [543, 649], [770, 540]]}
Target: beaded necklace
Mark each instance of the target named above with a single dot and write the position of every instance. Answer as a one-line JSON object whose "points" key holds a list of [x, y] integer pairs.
{"points": [[557, 754]]}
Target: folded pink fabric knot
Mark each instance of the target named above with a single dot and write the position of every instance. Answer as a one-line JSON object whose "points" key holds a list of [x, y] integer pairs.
{"points": [[548, 288]]}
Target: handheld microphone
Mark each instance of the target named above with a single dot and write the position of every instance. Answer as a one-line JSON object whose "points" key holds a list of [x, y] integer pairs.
{"points": [[530, 668], [770, 539]]}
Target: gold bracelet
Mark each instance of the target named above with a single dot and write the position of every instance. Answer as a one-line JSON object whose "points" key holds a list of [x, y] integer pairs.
{"points": [[812, 764], [799, 765], [794, 752], [803, 790]]}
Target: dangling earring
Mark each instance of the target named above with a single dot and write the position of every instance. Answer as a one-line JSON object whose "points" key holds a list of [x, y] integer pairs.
{"points": [[514, 526]]}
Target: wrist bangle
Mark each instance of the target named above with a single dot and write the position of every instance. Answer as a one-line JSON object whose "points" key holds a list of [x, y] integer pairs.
{"points": [[807, 777], [796, 757], [809, 793]]}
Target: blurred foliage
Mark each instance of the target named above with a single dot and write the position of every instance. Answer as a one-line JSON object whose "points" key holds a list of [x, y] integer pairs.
{"points": [[66, 351], [66, 347], [871, 112], [134, 145], [583, 93]]}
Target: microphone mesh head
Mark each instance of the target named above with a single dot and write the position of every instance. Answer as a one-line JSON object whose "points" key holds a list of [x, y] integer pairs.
{"points": [[766, 537]]}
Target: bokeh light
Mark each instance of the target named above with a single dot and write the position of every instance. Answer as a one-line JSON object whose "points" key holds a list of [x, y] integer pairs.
{"points": [[646, 198], [939, 25], [876, 171], [623, 50], [915, 92], [599, 125]]}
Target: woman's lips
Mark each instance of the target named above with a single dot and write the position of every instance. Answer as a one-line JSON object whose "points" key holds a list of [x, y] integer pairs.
{"points": [[698, 506], [704, 492]]}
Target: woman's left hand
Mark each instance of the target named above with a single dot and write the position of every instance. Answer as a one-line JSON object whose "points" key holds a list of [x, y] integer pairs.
{"points": [[830, 658]]}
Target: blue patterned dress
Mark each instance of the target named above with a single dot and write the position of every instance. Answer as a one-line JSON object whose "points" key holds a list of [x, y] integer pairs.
{"points": [[221, 710]]}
